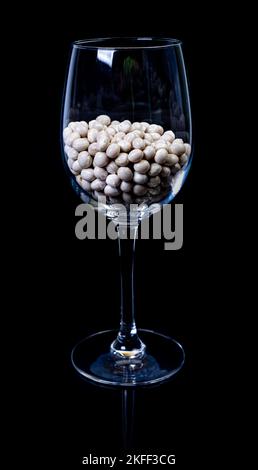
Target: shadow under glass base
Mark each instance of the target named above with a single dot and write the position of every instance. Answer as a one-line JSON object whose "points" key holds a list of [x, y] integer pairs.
{"points": [[92, 359]]}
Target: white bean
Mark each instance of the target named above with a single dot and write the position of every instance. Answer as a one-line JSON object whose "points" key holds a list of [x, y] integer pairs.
{"points": [[155, 136], [115, 126], [136, 126], [153, 182], [111, 131], [169, 147], [160, 144], [110, 191], [93, 149], [100, 159], [172, 159], [115, 123], [88, 174], [124, 145], [85, 185], [103, 119], [140, 178], [165, 172], [73, 136], [70, 163], [126, 187], [149, 152], [154, 128], [76, 124], [125, 126], [92, 135], [118, 136], [103, 133], [142, 167], [155, 169], [155, 191], [149, 137], [124, 174], [113, 180], [169, 136], [94, 124], [113, 150], [127, 197], [76, 166], [98, 185], [66, 132], [84, 159], [183, 159], [177, 147], [135, 155], [78, 179], [138, 143], [139, 133], [103, 142], [130, 137], [122, 159], [145, 126], [175, 168], [100, 173], [139, 190], [80, 144], [73, 124], [188, 149], [81, 129], [161, 156], [112, 167], [71, 152]]}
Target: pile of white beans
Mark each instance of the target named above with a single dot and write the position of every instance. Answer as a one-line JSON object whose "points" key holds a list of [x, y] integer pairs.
{"points": [[123, 160]]}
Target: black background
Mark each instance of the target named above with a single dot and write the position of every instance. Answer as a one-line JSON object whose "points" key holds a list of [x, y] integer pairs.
{"points": [[69, 288]]}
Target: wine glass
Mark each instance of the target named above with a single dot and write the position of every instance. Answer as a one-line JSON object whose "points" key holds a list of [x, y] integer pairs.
{"points": [[126, 142]]}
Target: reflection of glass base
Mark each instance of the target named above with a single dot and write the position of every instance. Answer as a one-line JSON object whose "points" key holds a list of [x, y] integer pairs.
{"points": [[92, 359]]}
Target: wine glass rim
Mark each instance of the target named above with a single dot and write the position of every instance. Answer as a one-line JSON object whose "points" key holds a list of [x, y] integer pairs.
{"points": [[150, 42]]}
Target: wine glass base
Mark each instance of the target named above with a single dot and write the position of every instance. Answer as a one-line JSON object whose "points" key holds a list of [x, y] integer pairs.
{"points": [[92, 359]]}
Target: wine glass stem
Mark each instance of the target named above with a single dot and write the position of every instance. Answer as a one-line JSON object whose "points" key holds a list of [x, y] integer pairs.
{"points": [[127, 344], [127, 256]]}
